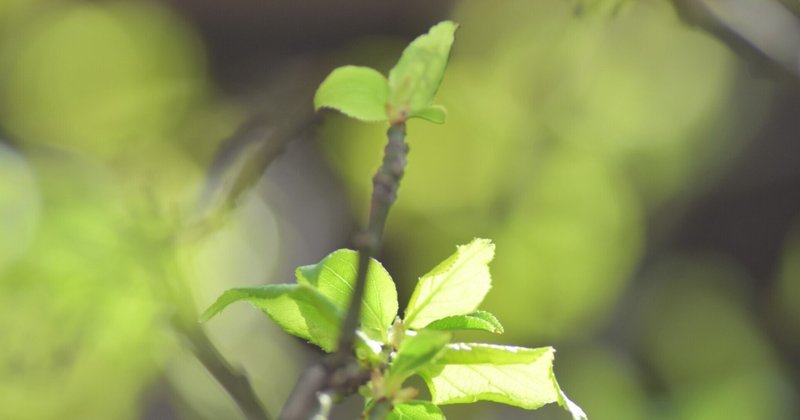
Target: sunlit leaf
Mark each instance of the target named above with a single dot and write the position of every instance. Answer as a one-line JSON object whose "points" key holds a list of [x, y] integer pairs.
{"points": [[523, 377], [335, 276], [414, 353], [454, 287], [478, 320], [299, 310], [416, 77], [358, 92], [416, 410]]}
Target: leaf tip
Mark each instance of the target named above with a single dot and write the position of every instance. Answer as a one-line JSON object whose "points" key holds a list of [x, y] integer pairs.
{"points": [[208, 314]]}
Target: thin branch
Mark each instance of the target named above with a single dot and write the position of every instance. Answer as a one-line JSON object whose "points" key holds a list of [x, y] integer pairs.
{"points": [[340, 371], [235, 382]]}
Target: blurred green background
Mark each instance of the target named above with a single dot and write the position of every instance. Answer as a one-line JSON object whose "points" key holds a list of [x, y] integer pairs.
{"points": [[636, 162]]}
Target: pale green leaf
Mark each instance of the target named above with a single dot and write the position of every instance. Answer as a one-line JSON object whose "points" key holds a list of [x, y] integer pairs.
{"points": [[415, 352], [454, 287], [416, 410], [335, 276], [358, 92], [298, 309], [478, 320], [435, 113], [416, 77], [518, 376]]}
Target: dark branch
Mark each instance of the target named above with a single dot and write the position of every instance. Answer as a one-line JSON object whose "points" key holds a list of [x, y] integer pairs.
{"points": [[340, 371], [235, 382]]}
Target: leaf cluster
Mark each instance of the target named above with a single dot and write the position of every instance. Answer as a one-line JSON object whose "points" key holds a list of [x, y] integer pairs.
{"points": [[445, 299], [365, 94]]}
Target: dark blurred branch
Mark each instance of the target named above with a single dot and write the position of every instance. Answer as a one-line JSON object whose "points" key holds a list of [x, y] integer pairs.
{"points": [[234, 381], [766, 30], [238, 164], [340, 371], [184, 322]]}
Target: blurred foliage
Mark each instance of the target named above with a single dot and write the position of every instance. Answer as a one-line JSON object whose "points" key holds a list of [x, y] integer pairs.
{"points": [[698, 334], [607, 383], [69, 319], [787, 291], [98, 99], [556, 162], [574, 128]]}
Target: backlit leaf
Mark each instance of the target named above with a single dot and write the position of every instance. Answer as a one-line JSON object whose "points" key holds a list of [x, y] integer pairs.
{"points": [[298, 309], [414, 353], [478, 320], [416, 410], [518, 376], [358, 92], [454, 287], [416, 77], [335, 276]]}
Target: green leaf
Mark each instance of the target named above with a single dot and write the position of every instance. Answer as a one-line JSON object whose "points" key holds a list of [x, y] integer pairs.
{"points": [[416, 77], [416, 410], [415, 352], [523, 377], [454, 287], [335, 276], [298, 309], [478, 320], [436, 114], [358, 92]]}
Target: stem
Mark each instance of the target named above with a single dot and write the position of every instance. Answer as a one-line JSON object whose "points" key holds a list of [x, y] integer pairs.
{"points": [[321, 376], [385, 184]]}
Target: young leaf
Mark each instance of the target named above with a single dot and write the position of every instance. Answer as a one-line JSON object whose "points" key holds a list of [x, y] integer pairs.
{"points": [[298, 309], [454, 287], [414, 353], [416, 410], [416, 77], [478, 320], [523, 377], [434, 113], [358, 92], [335, 276]]}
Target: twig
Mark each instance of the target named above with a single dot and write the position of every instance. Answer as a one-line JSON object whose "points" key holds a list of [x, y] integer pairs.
{"points": [[338, 371], [235, 382]]}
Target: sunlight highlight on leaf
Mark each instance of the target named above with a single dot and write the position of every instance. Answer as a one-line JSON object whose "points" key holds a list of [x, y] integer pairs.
{"points": [[455, 287], [358, 92], [334, 278]]}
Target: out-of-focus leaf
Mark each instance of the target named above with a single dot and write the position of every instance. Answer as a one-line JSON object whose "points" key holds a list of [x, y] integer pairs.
{"points": [[416, 77], [523, 377], [557, 270], [101, 79], [358, 92], [454, 287], [414, 353], [19, 206], [299, 310], [478, 320], [416, 410], [334, 278]]}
